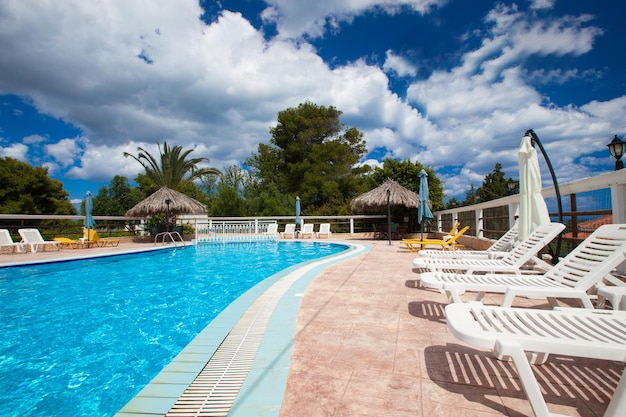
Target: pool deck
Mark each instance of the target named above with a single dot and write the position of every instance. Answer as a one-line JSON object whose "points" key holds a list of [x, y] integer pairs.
{"points": [[369, 342]]}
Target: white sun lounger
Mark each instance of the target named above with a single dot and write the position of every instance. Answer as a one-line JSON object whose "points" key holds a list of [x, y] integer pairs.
{"points": [[511, 332], [324, 230], [499, 249], [290, 230], [307, 231], [33, 238], [512, 263], [588, 264], [272, 230], [6, 242]]}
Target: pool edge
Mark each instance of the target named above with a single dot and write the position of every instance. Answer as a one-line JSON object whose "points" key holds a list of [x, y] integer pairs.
{"points": [[263, 388]]}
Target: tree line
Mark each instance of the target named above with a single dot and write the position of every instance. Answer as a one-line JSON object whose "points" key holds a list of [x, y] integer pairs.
{"points": [[310, 154]]}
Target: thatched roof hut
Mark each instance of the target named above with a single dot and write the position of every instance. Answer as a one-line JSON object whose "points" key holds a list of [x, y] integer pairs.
{"points": [[376, 199], [155, 204]]}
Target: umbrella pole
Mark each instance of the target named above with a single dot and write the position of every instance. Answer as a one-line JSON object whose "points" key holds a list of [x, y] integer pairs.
{"points": [[535, 139], [388, 217]]}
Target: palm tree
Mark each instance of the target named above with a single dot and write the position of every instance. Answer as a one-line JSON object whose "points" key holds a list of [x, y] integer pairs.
{"points": [[174, 171]]}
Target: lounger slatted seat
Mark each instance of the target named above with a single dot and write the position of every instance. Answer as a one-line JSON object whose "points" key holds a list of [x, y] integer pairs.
{"points": [[447, 243], [587, 265], [33, 238], [91, 237], [409, 243], [324, 230], [290, 231], [69, 243], [272, 230], [7, 243], [512, 263], [523, 334], [307, 231]]}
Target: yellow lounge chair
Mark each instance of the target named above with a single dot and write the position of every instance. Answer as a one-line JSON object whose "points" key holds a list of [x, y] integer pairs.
{"points": [[69, 243], [454, 229], [451, 243], [90, 236]]}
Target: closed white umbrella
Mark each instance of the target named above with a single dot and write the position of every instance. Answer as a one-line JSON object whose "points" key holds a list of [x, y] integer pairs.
{"points": [[533, 211], [424, 214]]}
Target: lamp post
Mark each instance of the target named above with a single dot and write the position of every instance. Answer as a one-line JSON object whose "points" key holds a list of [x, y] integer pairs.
{"points": [[617, 147], [167, 215], [512, 186]]}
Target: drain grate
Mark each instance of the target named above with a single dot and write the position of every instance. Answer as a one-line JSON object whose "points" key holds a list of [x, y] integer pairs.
{"points": [[216, 387]]}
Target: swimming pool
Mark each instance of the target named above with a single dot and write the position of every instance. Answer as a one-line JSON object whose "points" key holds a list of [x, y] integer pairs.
{"points": [[83, 337]]}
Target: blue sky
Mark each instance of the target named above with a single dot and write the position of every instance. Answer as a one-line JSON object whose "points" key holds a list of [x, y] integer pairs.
{"points": [[452, 84]]}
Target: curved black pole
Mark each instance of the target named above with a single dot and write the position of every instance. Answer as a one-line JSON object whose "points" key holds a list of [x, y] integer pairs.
{"points": [[535, 139]]}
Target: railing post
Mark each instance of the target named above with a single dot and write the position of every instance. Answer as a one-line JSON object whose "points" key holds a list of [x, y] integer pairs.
{"points": [[351, 226], [512, 210], [479, 223], [618, 203], [573, 209]]}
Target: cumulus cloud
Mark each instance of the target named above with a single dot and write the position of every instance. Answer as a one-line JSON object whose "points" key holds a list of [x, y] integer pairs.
{"points": [[399, 65], [542, 4], [296, 18], [64, 151], [131, 74], [486, 103], [17, 151], [34, 139]]}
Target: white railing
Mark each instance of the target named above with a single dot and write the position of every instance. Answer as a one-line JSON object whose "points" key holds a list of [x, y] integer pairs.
{"points": [[614, 181], [352, 224], [233, 231], [255, 227]]}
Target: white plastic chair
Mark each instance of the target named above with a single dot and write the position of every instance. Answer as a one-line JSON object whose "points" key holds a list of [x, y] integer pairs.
{"points": [[572, 277], [33, 238], [511, 332], [307, 230], [290, 230], [324, 230], [513, 262], [272, 230]]}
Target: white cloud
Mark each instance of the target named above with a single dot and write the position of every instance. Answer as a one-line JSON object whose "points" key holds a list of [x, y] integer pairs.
{"points": [[133, 73], [399, 65], [34, 139], [51, 166], [17, 151], [297, 18], [64, 151], [481, 108], [515, 37], [559, 76], [542, 4]]}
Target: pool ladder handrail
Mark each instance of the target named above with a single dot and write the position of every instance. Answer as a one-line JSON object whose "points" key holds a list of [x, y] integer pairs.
{"points": [[171, 235]]}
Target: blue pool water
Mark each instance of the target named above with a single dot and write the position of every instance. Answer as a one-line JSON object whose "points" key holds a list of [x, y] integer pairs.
{"points": [[81, 338]]}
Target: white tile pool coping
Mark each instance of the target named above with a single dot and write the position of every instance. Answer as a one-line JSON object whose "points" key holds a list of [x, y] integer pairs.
{"points": [[256, 332]]}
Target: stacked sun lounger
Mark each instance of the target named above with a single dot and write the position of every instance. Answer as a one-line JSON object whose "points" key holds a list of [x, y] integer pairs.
{"points": [[527, 336]]}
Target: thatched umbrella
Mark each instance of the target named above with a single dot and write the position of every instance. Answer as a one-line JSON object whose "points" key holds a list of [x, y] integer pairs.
{"points": [[167, 201], [389, 193]]}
